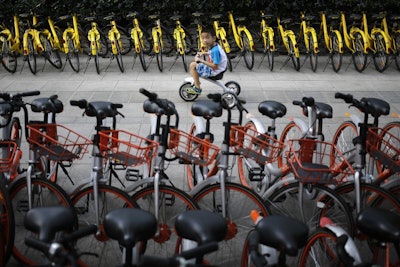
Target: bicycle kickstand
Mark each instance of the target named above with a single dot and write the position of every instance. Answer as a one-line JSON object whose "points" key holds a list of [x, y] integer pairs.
{"points": [[286, 61], [173, 63], [87, 62]]}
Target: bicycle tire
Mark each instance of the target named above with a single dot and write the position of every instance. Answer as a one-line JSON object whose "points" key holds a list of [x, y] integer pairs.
{"points": [[241, 201], [335, 54], [313, 54], [45, 193], [185, 65], [394, 129], [320, 250], [291, 131], [295, 60], [159, 56], [125, 39], [173, 202], [248, 55], [246, 171], [397, 52], [183, 93], [7, 222], [8, 58], [142, 57], [49, 53], [318, 201], [73, 55], [110, 198], [343, 137], [269, 54], [97, 63], [31, 57], [381, 59], [119, 57], [359, 57]]}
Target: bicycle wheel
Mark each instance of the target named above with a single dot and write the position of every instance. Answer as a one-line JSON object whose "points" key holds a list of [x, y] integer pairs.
{"points": [[49, 53], [8, 58], [107, 250], [31, 57], [381, 59], [233, 87], [240, 202], [247, 53], [73, 55], [44, 194], [125, 39], [397, 52], [392, 128], [359, 57], [185, 65], [314, 202], [250, 173], [97, 62], [269, 54], [320, 250], [183, 93], [6, 222], [335, 55], [119, 57], [172, 202], [291, 131], [142, 56], [295, 60], [313, 54], [343, 137], [159, 56]]}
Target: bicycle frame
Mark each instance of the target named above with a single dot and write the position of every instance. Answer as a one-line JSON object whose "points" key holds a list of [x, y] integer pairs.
{"points": [[327, 38], [221, 36], [94, 38], [288, 34], [52, 34], [137, 35], [267, 33], [179, 36], [15, 41], [74, 33], [114, 36], [306, 29], [348, 35], [156, 33], [383, 30], [238, 31]]}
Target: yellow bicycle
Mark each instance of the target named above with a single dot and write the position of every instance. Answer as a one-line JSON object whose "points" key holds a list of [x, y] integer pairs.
{"points": [[243, 39], [10, 45], [182, 41], [98, 45], [162, 43], [140, 42], [267, 34], [220, 32], [333, 39], [71, 41], [114, 36], [289, 41], [309, 36]]}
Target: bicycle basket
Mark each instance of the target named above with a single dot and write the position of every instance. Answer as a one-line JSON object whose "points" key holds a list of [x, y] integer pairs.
{"points": [[8, 151], [192, 149], [385, 147], [127, 148], [58, 142], [260, 147], [315, 161]]}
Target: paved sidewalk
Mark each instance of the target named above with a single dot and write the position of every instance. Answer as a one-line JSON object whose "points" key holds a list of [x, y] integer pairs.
{"points": [[260, 84]]}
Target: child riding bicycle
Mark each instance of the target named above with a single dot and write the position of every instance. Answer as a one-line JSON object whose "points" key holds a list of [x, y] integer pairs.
{"points": [[214, 64]]}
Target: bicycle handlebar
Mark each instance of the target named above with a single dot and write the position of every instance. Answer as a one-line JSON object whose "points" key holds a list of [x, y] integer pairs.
{"points": [[349, 99], [8, 96], [167, 105], [305, 102]]}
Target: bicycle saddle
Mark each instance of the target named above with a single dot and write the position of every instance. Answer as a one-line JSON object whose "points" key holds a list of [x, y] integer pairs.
{"points": [[216, 16], [283, 233], [47, 105], [48, 220], [382, 225], [376, 107], [129, 226], [201, 226], [207, 109], [286, 21], [272, 109], [102, 109]]}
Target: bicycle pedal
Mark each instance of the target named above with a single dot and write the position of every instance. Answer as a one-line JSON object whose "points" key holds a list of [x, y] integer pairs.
{"points": [[22, 206], [133, 175], [169, 199], [118, 167], [256, 174]]}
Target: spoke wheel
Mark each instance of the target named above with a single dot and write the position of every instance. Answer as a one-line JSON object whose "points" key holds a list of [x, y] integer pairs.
{"points": [[52, 55], [125, 39], [313, 54], [119, 57], [159, 57], [247, 53], [142, 58], [240, 202], [392, 128], [381, 59], [73, 55], [107, 250], [96, 62], [233, 87], [343, 137], [8, 58], [44, 194], [185, 65], [359, 57], [291, 131], [295, 60], [183, 93], [269, 54], [31, 56], [336, 55]]}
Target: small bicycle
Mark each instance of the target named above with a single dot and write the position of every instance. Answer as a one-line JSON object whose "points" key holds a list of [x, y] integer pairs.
{"points": [[230, 86]]}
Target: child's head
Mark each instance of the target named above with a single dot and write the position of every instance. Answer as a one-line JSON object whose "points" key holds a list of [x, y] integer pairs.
{"points": [[208, 36]]}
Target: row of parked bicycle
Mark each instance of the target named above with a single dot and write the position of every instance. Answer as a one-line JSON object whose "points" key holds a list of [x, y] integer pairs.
{"points": [[29, 35], [298, 183]]}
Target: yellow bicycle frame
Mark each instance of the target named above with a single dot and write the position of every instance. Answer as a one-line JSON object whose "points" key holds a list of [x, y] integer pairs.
{"points": [[37, 45], [53, 36], [221, 36], [238, 31], [267, 32], [384, 31], [94, 38], [306, 29], [15, 41], [156, 33], [72, 33], [285, 34], [349, 37], [179, 36], [137, 35], [114, 36], [328, 40]]}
